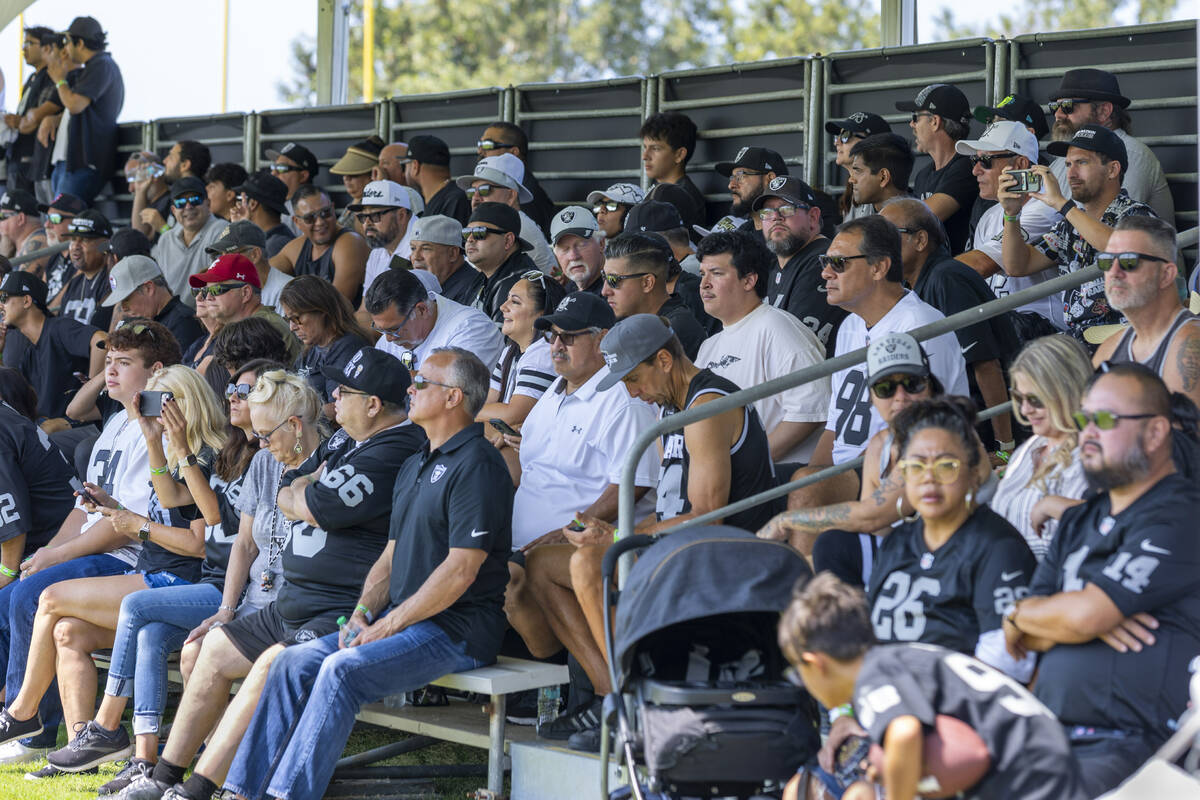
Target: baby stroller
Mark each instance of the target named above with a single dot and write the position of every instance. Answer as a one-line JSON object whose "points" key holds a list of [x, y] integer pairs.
{"points": [[696, 659]]}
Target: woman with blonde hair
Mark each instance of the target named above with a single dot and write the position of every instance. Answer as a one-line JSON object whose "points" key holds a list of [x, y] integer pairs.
{"points": [[1044, 477]]}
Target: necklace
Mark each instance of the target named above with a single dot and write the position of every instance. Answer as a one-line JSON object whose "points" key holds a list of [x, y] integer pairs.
{"points": [[278, 541]]}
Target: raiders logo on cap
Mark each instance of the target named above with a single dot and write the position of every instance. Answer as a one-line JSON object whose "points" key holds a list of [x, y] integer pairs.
{"points": [[567, 216], [287, 148], [858, 117], [890, 347], [565, 304], [741, 153], [777, 183]]}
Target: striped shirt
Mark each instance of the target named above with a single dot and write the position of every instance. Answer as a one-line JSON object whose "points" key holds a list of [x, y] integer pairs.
{"points": [[530, 373], [1016, 496]]}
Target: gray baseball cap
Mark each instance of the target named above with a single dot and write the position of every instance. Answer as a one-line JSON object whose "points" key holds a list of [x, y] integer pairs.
{"points": [[895, 353], [242, 233], [438, 229], [127, 275], [503, 170], [575, 220], [630, 342]]}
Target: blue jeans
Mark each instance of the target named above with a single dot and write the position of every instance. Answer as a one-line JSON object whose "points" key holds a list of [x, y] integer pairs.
{"points": [[20, 600], [312, 694], [83, 183], [153, 624]]}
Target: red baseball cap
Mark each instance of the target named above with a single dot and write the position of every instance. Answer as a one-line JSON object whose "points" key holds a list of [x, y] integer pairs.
{"points": [[228, 268]]}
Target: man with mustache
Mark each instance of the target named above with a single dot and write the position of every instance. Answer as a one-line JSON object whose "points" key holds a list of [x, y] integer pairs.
{"points": [[749, 173]]}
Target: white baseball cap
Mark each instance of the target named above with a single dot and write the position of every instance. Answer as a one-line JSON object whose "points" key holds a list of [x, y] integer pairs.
{"points": [[1002, 135], [504, 170], [627, 193], [382, 193]]}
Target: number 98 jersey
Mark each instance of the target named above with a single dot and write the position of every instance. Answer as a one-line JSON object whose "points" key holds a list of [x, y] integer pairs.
{"points": [[324, 567], [949, 596]]}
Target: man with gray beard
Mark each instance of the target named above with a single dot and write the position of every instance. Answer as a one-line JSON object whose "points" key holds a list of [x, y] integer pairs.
{"points": [[1115, 606], [791, 226], [384, 214]]}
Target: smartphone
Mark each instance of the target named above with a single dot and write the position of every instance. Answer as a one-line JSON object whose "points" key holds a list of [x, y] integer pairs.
{"points": [[1027, 181], [150, 403], [503, 427], [77, 485], [848, 760], [576, 525]]}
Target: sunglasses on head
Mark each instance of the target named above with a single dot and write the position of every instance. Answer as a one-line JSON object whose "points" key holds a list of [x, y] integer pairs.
{"points": [[188, 200], [567, 338], [1020, 398], [1067, 105], [479, 232], [324, 212], [609, 206], [58, 219], [483, 190], [781, 212], [138, 328], [987, 160], [239, 390], [1104, 420], [535, 275], [492, 144], [886, 388], [837, 263], [1128, 262], [215, 289], [944, 470], [373, 217]]}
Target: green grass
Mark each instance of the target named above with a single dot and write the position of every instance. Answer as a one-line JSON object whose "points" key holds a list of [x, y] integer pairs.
{"points": [[13, 785]]}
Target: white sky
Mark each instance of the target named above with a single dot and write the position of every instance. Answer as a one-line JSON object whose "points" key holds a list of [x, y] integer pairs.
{"points": [[170, 51]]}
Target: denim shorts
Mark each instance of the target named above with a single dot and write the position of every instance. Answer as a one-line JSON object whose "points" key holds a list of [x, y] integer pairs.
{"points": [[157, 580]]}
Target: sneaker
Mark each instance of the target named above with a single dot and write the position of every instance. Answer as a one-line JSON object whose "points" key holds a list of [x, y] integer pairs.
{"points": [[12, 729], [585, 741], [50, 771], [583, 719], [91, 747], [143, 787], [17, 753], [522, 708], [132, 769]]}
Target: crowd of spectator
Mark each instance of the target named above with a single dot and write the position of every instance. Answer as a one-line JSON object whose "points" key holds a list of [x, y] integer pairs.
{"points": [[413, 412]]}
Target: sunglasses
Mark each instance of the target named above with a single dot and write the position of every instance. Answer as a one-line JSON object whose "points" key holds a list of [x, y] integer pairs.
{"points": [[1020, 398], [373, 217], [918, 114], [944, 470], [188, 200], [609, 206], [58, 219], [535, 275], [1067, 105], [137, 328], [7, 215], [987, 160], [491, 144], [343, 391], [420, 382], [615, 280], [239, 390], [279, 169], [567, 338], [263, 438], [325, 212], [782, 212], [913, 384], [479, 233], [215, 290], [837, 263], [844, 137], [1128, 262], [483, 190], [1104, 420]]}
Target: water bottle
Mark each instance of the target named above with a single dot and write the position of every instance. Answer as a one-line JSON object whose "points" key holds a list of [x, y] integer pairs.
{"points": [[547, 705], [347, 631]]}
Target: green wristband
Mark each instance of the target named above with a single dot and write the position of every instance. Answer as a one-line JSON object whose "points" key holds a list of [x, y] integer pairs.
{"points": [[158, 470], [360, 607], [8, 572]]}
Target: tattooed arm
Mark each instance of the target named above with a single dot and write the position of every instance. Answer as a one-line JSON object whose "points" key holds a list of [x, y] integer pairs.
{"points": [[1181, 368]]}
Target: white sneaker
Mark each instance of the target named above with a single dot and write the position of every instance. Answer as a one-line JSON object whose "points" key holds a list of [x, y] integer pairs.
{"points": [[17, 753]]}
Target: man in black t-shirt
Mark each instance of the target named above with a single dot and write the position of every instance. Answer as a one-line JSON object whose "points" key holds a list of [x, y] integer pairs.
{"points": [[338, 504], [668, 144], [37, 90], [1123, 563], [941, 116], [431, 605], [427, 169], [139, 288], [897, 692]]}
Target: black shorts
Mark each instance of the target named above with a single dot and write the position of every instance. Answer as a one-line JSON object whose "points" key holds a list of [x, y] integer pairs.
{"points": [[1105, 763], [254, 633]]}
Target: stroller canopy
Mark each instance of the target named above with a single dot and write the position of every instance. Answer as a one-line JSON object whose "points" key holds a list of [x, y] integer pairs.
{"points": [[701, 572]]}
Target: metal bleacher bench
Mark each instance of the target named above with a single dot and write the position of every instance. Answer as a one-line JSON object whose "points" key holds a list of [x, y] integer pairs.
{"points": [[459, 722]]}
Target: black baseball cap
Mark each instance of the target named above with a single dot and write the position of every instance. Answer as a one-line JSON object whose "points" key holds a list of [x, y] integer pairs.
{"points": [[375, 372], [501, 216], [942, 99], [653, 216], [85, 28], [577, 311], [759, 159], [1098, 139], [187, 186], [790, 189], [128, 242], [266, 189], [301, 155], [90, 224], [64, 202], [862, 123], [20, 201], [26, 283], [1018, 108], [426, 149], [242, 233]]}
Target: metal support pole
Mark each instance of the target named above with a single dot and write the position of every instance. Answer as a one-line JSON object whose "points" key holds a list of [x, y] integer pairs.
{"points": [[899, 21], [332, 41], [495, 769]]}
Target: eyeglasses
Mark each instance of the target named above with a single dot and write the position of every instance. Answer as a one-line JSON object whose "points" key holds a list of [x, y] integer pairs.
{"points": [[913, 384], [944, 470], [1104, 420], [837, 263], [395, 332], [781, 212], [479, 233], [1067, 105], [58, 219], [215, 290], [740, 175], [1020, 398], [609, 206], [239, 390], [918, 114], [987, 160], [279, 169], [343, 391], [263, 438], [567, 338], [615, 280], [295, 319], [491, 144], [373, 217], [7, 215], [1128, 262], [483, 190], [420, 382], [188, 200], [324, 212]]}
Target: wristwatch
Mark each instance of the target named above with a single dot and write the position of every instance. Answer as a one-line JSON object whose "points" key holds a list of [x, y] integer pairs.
{"points": [[188, 461], [144, 531]]}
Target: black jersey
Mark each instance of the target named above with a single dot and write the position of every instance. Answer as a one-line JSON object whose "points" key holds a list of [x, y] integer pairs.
{"points": [[35, 496], [324, 566], [956, 181], [83, 297], [63, 349], [334, 354], [1030, 756], [950, 596], [156, 558], [1147, 558], [219, 538], [751, 468]]}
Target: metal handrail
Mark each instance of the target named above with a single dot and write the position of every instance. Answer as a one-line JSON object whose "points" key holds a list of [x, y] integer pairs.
{"points": [[42, 252]]}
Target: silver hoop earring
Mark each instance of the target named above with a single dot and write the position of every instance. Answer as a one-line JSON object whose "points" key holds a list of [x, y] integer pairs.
{"points": [[900, 511]]}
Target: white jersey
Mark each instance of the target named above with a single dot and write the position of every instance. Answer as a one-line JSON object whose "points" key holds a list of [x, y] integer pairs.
{"points": [[120, 465], [851, 415], [457, 326], [1036, 219]]}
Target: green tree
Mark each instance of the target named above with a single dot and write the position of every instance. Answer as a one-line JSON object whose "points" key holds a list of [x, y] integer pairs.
{"points": [[1034, 16]]}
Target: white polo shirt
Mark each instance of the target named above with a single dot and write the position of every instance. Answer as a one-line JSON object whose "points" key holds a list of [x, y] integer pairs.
{"points": [[1037, 218], [456, 326], [572, 448]]}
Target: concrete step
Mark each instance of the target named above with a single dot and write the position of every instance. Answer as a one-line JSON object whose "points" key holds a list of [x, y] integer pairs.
{"points": [[544, 770]]}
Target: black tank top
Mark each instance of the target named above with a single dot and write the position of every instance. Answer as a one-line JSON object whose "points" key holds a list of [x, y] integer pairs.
{"points": [[321, 267], [1124, 352], [751, 468]]}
